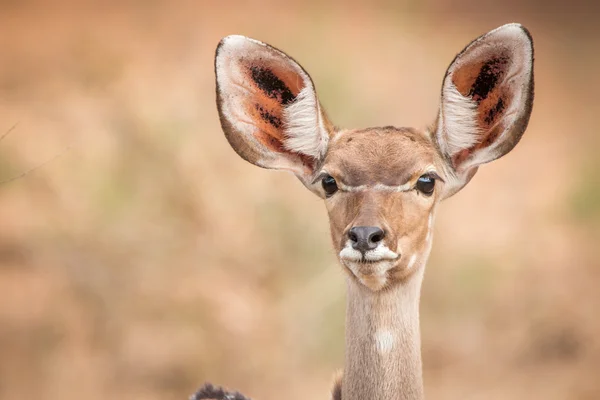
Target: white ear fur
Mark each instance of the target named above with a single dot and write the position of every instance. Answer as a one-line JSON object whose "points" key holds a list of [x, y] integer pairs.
{"points": [[458, 117], [304, 129], [252, 108]]}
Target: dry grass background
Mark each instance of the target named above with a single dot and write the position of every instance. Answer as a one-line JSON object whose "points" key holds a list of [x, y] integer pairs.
{"points": [[149, 258]]}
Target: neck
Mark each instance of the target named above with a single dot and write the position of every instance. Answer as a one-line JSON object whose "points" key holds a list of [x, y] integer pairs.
{"points": [[383, 345]]}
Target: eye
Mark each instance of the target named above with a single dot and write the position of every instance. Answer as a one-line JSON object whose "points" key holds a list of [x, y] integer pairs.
{"points": [[329, 185], [426, 184]]}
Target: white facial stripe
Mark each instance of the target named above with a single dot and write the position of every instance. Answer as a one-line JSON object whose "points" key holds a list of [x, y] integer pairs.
{"points": [[380, 187], [429, 228], [346, 188], [411, 262], [401, 188]]}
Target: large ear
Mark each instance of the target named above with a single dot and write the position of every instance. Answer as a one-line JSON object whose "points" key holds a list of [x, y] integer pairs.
{"points": [[268, 107], [487, 96]]}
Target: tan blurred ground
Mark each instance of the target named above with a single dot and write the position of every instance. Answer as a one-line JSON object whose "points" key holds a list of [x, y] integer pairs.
{"points": [[149, 258]]}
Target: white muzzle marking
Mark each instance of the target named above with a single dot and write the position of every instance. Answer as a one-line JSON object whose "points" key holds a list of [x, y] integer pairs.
{"points": [[380, 253]]}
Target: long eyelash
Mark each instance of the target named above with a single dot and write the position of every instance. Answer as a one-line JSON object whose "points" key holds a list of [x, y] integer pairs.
{"points": [[435, 176], [321, 175]]}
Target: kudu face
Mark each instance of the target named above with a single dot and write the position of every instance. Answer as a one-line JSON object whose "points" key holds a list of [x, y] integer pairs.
{"points": [[387, 183], [380, 185]]}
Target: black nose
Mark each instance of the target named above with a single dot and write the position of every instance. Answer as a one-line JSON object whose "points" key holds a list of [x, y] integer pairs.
{"points": [[365, 238]]}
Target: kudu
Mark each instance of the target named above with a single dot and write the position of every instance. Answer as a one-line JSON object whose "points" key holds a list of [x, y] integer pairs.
{"points": [[381, 186]]}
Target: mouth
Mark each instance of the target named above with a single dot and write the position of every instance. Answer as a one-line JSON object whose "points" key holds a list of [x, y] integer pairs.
{"points": [[363, 261], [370, 268]]}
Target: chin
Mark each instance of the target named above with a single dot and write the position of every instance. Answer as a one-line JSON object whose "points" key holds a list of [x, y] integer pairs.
{"points": [[372, 274]]}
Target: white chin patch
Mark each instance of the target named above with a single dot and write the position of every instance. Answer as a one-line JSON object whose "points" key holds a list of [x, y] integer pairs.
{"points": [[372, 275]]}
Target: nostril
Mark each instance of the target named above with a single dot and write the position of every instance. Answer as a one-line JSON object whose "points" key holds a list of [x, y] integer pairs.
{"points": [[376, 238], [352, 236]]}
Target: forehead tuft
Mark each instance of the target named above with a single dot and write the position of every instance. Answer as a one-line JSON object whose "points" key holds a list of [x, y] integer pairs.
{"points": [[385, 155]]}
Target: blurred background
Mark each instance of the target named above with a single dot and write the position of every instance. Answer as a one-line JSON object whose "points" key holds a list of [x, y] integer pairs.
{"points": [[146, 257]]}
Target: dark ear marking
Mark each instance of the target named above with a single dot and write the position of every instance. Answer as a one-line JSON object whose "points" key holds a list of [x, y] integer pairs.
{"points": [[271, 85], [494, 111], [490, 74], [268, 117]]}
